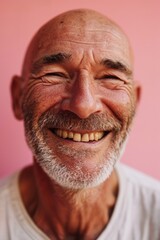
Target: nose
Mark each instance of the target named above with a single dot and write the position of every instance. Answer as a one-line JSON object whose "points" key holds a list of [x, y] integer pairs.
{"points": [[83, 97]]}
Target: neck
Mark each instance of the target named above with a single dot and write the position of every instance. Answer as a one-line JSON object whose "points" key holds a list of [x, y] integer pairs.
{"points": [[64, 213]]}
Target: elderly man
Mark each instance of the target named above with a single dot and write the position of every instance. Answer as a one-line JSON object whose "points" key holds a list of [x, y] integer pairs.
{"points": [[77, 98]]}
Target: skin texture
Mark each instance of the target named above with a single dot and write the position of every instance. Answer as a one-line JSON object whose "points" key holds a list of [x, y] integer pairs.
{"points": [[77, 76]]}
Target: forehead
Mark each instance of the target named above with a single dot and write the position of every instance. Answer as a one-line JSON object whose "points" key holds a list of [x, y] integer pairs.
{"points": [[80, 35]]}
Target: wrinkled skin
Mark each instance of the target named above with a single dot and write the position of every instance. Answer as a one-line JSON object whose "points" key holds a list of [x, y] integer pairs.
{"points": [[77, 77]]}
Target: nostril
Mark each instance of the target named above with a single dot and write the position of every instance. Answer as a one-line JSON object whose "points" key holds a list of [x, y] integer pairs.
{"points": [[81, 108]]}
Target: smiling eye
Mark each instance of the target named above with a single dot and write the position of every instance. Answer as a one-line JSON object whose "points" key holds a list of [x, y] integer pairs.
{"points": [[111, 81], [56, 74], [110, 77], [54, 78]]}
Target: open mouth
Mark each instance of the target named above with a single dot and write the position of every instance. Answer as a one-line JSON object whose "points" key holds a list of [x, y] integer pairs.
{"points": [[80, 137]]}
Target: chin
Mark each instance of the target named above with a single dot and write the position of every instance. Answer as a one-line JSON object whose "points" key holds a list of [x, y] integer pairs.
{"points": [[76, 177]]}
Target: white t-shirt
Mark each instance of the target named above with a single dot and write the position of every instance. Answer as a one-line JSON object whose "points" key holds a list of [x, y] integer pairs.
{"points": [[136, 215]]}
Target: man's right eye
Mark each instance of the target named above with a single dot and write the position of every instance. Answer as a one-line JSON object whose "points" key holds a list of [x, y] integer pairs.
{"points": [[54, 77], [56, 74]]}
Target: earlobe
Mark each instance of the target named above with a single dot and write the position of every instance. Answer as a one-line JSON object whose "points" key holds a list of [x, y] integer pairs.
{"points": [[16, 95]]}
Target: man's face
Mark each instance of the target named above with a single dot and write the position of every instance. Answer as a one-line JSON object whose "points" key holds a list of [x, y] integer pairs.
{"points": [[79, 101]]}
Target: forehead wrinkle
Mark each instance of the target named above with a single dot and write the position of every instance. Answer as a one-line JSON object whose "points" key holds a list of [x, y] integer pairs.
{"points": [[82, 42], [111, 31], [80, 35]]}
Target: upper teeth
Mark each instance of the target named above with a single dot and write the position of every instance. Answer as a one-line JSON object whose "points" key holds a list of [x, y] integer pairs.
{"points": [[78, 137]]}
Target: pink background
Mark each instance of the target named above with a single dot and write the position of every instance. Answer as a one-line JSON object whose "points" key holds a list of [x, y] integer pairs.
{"points": [[19, 19]]}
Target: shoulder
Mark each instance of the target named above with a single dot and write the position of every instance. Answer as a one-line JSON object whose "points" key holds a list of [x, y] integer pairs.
{"points": [[141, 190], [139, 179], [6, 187], [141, 194]]}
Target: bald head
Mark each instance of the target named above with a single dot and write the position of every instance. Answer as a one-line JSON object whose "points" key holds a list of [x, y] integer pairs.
{"points": [[80, 26]]}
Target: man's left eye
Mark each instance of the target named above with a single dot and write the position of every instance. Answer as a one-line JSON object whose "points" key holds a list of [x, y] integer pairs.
{"points": [[110, 77]]}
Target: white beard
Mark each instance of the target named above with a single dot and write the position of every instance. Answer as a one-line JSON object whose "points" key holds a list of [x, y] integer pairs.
{"points": [[69, 178]]}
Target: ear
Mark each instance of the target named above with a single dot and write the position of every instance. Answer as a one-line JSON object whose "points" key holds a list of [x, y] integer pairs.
{"points": [[16, 94], [138, 91]]}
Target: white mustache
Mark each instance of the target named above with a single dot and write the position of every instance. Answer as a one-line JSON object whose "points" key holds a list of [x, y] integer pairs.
{"points": [[70, 121]]}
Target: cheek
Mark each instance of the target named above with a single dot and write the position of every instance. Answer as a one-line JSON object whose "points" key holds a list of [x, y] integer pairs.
{"points": [[120, 103], [42, 97]]}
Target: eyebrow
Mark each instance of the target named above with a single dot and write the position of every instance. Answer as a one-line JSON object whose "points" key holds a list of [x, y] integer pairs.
{"points": [[62, 57], [50, 59], [116, 65]]}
